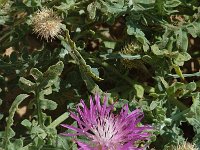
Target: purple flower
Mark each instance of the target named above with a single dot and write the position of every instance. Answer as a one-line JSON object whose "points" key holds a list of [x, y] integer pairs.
{"points": [[107, 131]]}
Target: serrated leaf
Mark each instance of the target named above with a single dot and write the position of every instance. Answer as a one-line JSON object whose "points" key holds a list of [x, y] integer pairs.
{"points": [[62, 143], [32, 3], [50, 77], [9, 133], [17, 144], [181, 58], [181, 40], [91, 8], [156, 51], [88, 70], [66, 5], [172, 3], [54, 71], [113, 7], [174, 87], [91, 85], [139, 34], [193, 116], [47, 104], [27, 85], [36, 74], [194, 29], [184, 44], [39, 132]]}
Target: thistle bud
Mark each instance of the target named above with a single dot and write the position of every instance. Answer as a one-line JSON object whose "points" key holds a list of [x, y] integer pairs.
{"points": [[46, 23]]}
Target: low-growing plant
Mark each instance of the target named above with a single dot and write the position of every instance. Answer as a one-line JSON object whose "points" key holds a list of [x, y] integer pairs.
{"points": [[141, 54]]}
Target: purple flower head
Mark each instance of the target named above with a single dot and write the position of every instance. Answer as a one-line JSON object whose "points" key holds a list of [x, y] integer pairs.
{"points": [[107, 131]]}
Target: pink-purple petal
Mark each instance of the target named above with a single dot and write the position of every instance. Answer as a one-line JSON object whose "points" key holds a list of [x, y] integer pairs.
{"points": [[106, 130]]}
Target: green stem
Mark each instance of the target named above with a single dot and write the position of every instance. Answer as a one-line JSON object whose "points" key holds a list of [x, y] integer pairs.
{"points": [[39, 110], [112, 69], [59, 120], [177, 103], [180, 115], [6, 35]]}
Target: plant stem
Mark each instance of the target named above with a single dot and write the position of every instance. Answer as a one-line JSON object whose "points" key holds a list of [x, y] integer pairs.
{"points": [[59, 120], [39, 110]]}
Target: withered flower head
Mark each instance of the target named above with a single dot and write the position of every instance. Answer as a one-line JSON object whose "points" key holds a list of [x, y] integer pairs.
{"points": [[46, 23], [185, 146], [130, 49]]}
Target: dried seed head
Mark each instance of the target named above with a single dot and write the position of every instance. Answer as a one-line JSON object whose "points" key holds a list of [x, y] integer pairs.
{"points": [[5, 9], [46, 23], [130, 49], [186, 146]]}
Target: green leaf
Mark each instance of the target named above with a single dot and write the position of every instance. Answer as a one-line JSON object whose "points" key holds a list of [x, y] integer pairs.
{"points": [[37, 131], [91, 8], [95, 71], [90, 84], [178, 71], [1, 115], [9, 133], [194, 29], [132, 29], [26, 123], [54, 71], [32, 3], [153, 105], [66, 5], [27, 85], [17, 144], [172, 3], [115, 7], [181, 40], [3, 2], [13, 57], [181, 58], [191, 86], [47, 104], [139, 90], [109, 44], [62, 143], [120, 56], [156, 51], [37, 75], [50, 77], [193, 116], [47, 91], [63, 52], [174, 87]]}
